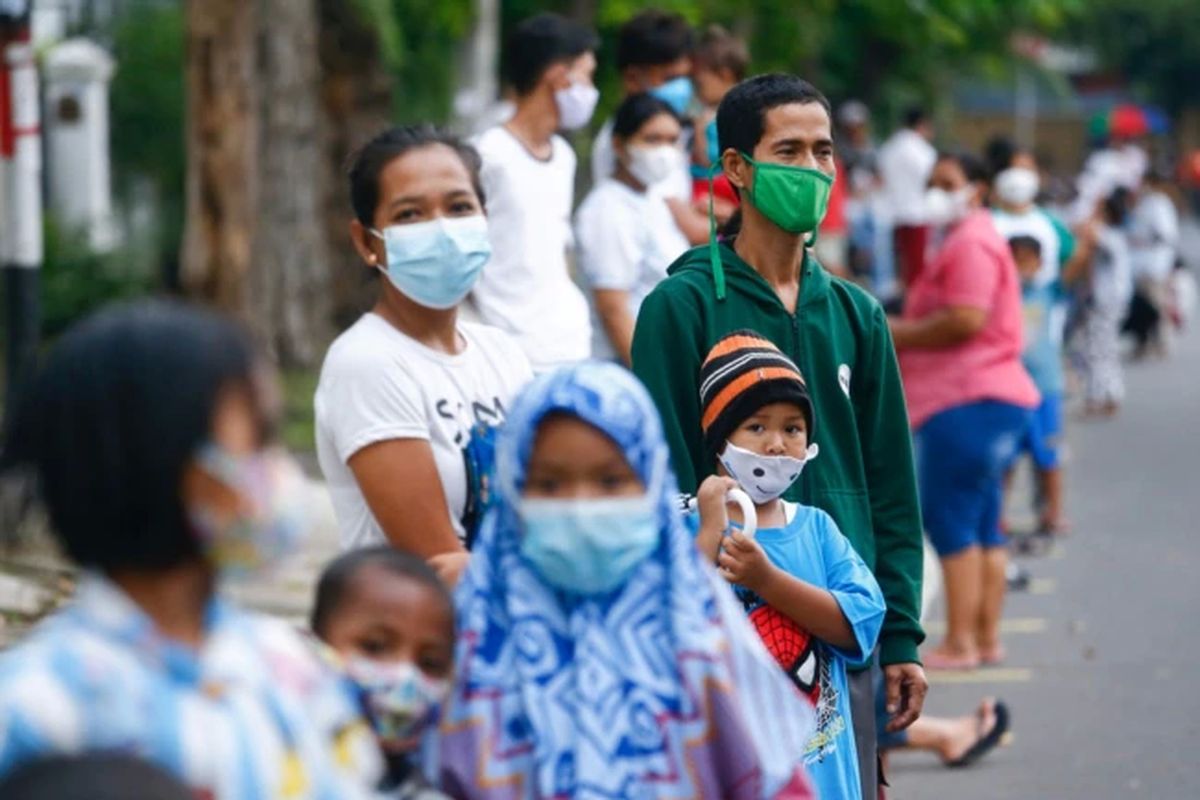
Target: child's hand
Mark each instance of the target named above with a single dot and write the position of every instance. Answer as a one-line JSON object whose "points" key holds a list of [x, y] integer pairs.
{"points": [[742, 561], [714, 516]]}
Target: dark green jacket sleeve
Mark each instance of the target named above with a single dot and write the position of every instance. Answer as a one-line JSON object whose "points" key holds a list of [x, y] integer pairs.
{"points": [[892, 487], [667, 342]]}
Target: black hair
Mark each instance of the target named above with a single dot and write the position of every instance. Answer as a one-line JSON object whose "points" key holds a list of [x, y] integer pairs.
{"points": [[653, 37], [109, 423], [719, 49], [341, 573], [540, 42], [369, 161], [92, 776], [998, 154], [1116, 206], [914, 116], [742, 115], [1028, 243], [971, 164], [634, 112]]}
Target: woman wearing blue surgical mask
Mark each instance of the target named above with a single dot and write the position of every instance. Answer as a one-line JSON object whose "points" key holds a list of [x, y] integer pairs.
{"points": [[410, 395], [598, 656], [146, 430], [624, 231]]}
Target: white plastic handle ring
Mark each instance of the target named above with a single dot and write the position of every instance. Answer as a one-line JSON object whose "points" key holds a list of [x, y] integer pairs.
{"points": [[749, 514]]}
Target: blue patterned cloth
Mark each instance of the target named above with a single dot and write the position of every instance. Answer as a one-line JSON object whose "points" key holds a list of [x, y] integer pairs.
{"points": [[659, 689], [254, 713]]}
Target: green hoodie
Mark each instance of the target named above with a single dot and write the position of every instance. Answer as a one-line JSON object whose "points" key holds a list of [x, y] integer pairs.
{"points": [[864, 476]]}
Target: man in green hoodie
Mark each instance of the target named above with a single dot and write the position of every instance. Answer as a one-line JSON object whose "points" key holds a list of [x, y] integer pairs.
{"points": [[777, 149]]}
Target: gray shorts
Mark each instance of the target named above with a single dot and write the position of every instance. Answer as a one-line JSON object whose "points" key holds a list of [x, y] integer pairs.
{"points": [[862, 714]]}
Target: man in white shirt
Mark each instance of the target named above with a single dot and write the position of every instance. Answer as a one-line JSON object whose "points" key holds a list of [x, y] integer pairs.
{"points": [[905, 162], [654, 55], [529, 180]]}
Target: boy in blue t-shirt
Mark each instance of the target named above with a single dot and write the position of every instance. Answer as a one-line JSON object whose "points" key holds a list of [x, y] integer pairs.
{"points": [[1044, 310], [810, 597]]}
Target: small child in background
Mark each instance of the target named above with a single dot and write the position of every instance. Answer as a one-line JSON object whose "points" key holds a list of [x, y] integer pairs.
{"points": [[813, 601], [719, 63], [1045, 317], [391, 621], [1109, 287]]}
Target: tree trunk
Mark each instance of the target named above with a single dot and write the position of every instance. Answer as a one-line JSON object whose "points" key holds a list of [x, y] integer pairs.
{"points": [[289, 285], [254, 244], [222, 106], [356, 99]]}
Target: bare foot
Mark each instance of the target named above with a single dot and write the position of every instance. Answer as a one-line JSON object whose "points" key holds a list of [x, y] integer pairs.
{"points": [[946, 657]]}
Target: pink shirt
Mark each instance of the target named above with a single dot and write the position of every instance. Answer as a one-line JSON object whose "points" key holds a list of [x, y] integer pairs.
{"points": [[973, 267]]}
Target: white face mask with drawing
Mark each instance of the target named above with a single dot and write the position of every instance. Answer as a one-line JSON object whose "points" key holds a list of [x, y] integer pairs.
{"points": [[764, 478]]}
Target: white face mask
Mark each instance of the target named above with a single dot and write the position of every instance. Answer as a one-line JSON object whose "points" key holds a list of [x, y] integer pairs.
{"points": [[575, 105], [653, 164], [944, 208], [764, 478], [1017, 186]]}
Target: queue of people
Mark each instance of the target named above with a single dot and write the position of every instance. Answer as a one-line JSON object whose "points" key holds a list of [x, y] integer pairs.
{"points": [[538, 440]]}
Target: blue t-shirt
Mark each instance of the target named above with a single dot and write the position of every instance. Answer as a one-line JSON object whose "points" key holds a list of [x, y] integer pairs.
{"points": [[1045, 313], [810, 547]]}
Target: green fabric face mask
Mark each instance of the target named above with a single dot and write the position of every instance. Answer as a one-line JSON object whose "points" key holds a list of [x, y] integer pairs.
{"points": [[794, 198]]}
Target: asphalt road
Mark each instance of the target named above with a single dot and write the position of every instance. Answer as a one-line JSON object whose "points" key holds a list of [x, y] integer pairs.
{"points": [[1103, 653]]}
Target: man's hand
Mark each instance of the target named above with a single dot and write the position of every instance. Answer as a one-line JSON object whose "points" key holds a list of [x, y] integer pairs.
{"points": [[742, 561], [450, 566], [906, 689]]}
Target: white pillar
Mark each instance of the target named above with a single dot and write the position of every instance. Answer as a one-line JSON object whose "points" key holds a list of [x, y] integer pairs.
{"points": [[77, 74]]}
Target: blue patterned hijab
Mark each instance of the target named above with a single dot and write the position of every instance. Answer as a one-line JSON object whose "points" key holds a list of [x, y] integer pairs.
{"points": [[659, 689]]}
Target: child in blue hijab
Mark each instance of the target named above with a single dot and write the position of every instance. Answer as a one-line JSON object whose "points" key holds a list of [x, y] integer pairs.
{"points": [[598, 656]]}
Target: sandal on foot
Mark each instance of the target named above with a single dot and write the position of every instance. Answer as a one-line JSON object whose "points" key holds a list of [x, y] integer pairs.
{"points": [[987, 740]]}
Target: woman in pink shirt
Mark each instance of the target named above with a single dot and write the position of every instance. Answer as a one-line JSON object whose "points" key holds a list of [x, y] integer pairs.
{"points": [[969, 401]]}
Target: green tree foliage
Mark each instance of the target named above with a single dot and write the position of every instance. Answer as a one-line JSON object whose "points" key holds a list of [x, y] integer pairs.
{"points": [[420, 42], [886, 52], [147, 108], [1155, 44]]}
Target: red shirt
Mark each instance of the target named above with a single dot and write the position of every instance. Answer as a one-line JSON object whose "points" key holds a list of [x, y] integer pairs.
{"points": [[835, 216], [973, 267]]}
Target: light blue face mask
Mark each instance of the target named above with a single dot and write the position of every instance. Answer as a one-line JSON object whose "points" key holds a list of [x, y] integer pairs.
{"points": [[588, 546], [677, 93], [436, 263]]}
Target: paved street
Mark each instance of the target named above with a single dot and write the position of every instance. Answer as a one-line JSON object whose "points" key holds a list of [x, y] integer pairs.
{"points": [[1101, 674]]}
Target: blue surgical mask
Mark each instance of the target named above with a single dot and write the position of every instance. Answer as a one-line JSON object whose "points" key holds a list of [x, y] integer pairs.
{"points": [[436, 263], [677, 93], [588, 546]]}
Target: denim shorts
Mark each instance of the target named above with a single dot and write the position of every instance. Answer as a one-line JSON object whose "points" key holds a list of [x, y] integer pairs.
{"points": [[962, 455], [1043, 437]]}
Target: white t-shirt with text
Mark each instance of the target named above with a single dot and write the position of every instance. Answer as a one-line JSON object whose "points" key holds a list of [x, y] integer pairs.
{"points": [[626, 239], [526, 289], [377, 384]]}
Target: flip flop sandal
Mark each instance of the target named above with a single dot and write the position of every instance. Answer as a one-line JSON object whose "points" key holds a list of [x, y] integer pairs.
{"points": [[986, 741]]}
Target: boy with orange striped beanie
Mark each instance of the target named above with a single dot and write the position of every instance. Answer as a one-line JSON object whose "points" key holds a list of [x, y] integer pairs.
{"points": [[810, 597]]}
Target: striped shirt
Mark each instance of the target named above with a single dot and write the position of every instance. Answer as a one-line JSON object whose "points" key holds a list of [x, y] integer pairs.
{"points": [[253, 714]]}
